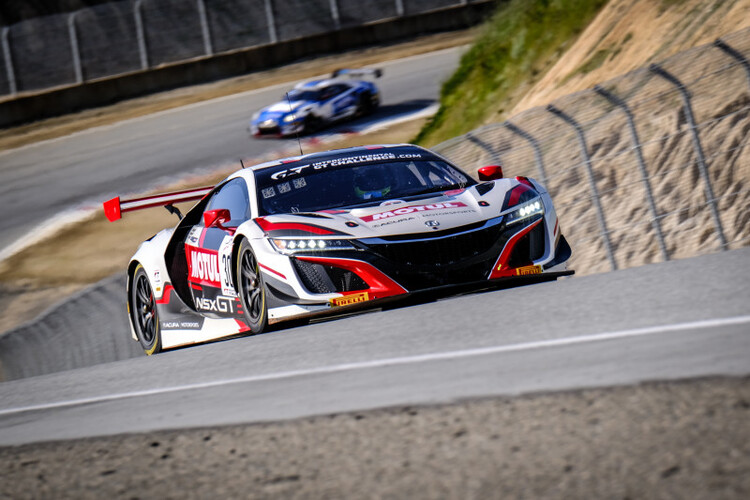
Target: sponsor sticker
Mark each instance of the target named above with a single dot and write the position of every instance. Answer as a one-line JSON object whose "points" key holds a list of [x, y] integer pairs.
{"points": [[181, 325], [225, 267], [194, 235], [220, 304], [203, 266], [527, 270], [412, 209], [350, 299], [333, 163]]}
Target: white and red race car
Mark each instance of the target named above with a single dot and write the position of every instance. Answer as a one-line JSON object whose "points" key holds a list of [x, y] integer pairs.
{"points": [[327, 232]]}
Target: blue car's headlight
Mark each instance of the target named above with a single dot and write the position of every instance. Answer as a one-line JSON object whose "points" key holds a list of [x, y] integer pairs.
{"points": [[525, 211], [290, 118]]}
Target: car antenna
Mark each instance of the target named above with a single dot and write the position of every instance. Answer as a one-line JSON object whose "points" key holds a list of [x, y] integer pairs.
{"points": [[241, 163], [290, 109]]}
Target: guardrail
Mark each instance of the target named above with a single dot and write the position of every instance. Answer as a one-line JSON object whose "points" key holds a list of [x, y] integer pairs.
{"points": [[122, 37], [35, 105], [647, 167]]}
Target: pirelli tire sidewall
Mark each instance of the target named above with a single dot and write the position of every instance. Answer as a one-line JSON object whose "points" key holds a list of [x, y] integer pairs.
{"points": [[151, 343], [252, 296]]}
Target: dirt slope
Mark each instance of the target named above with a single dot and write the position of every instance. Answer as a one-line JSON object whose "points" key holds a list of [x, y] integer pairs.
{"points": [[628, 34]]}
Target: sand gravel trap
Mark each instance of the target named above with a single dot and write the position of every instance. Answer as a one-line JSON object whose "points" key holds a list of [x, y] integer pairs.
{"points": [[687, 439]]}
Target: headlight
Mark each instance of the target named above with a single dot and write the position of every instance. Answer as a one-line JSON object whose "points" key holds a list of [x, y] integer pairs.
{"points": [[525, 211], [288, 246], [290, 118]]}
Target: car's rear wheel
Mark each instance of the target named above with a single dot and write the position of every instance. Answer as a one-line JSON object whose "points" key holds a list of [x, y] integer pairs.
{"points": [[143, 312], [251, 288]]}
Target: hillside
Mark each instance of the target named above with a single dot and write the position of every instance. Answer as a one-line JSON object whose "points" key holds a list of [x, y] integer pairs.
{"points": [[504, 75]]}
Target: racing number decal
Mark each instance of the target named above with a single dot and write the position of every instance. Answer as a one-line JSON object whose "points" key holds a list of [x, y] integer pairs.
{"points": [[225, 267]]}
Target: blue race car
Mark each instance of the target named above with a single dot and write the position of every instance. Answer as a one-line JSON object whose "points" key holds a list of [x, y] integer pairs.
{"points": [[312, 105]]}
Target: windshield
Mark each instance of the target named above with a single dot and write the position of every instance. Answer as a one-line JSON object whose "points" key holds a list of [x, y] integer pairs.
{"points": [[302, 95], [309, 188]]}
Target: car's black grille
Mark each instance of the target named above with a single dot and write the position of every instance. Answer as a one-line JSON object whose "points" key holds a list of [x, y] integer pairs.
{"points": [[269, 131], [319, 278], [440, 251], [455, 258]]}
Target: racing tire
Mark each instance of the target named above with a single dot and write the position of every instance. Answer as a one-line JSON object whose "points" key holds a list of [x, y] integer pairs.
{"points": [[312, 124], [251, 288], [364, 104], [143, 312]]}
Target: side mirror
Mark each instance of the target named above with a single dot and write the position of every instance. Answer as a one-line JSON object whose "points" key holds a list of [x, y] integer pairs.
{"points": [[490, 173], [217, 217]]}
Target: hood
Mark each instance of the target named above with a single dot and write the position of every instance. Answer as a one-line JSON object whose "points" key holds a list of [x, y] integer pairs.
{"points": [[431, 214], [282, 108]]}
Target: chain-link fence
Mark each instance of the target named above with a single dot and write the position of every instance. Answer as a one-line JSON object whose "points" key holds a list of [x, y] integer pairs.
{"points": [[649, 166], [121, 37]]}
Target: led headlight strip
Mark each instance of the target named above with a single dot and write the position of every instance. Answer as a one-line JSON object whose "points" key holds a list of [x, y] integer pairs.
{"points": [[293, 245], [525, 211]]}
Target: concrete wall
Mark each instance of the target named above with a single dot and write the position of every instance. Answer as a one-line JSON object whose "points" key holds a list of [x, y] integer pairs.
{"points": [[88, 329], [27, 108]]}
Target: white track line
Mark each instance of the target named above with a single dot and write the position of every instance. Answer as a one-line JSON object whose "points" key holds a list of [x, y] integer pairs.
{"points": [[380, 363]]}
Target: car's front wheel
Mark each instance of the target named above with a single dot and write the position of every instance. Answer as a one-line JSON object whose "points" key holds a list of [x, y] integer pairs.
{"points": [[142, 305], [251, 288], [365, 104], [311, 124]]}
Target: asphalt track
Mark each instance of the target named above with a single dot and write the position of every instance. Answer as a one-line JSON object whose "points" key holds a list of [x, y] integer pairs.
{"points": [[667, 321], [43, 180]]}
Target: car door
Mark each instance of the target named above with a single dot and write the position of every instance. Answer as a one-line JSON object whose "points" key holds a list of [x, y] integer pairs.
{"points": [[208, 249], [338, 101]]}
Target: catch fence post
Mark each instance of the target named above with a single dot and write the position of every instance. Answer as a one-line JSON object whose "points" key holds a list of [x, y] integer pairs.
{"points": [[592, 182], [74, 47], [271, 22], [205, 29], [494, 156], [655, 223], [721, 44], [658, 70], [335, 14], [140, 33], [399, 8], [9, 61], [535, 146]]}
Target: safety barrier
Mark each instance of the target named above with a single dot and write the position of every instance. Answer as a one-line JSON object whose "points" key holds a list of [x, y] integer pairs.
{"points": [[650, 166], [69, 85]]}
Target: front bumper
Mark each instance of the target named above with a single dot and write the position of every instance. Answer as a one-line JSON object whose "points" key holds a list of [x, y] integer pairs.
{"points": [[473, 255], [272, 128]]}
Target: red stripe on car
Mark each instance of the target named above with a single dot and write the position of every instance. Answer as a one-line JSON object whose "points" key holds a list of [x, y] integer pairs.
{"points": [[271, 270], [267, 226], [381, 286], [501, 269]]}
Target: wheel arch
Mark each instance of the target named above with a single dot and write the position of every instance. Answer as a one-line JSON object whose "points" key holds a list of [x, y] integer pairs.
{"points": [[235, 255]]}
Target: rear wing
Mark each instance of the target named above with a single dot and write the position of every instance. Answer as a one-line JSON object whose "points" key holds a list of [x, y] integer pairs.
{"points": [[358, 73], [114, 208]]}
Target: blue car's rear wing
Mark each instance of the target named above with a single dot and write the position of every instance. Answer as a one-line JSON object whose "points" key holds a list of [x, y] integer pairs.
{"points": [[358, 73]]}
